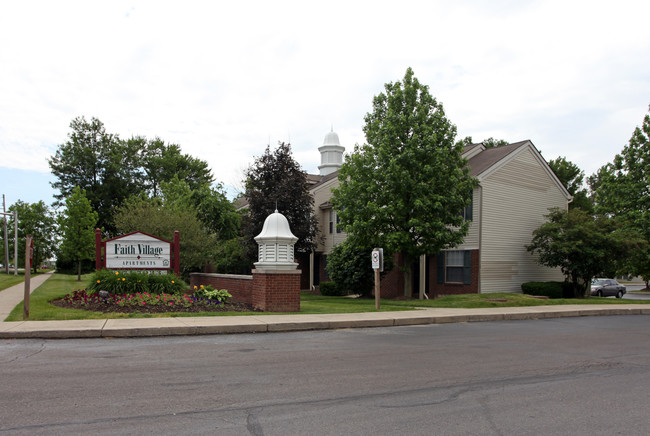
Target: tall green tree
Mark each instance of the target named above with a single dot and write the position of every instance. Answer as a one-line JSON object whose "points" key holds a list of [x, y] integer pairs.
{"points": [[622, 190], [111, 170], [584, 246], [212, 206], [572, 177], [106, 168], [487, 143], [38, 220], [406, 188], [78, 224], [275, 180], [162, 162]]}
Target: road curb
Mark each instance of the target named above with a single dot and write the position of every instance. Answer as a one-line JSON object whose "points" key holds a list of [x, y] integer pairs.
{"points": [[149, 327]]}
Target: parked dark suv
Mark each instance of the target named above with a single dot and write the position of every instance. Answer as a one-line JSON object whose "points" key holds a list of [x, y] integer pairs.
{"points": [[607, 288]]}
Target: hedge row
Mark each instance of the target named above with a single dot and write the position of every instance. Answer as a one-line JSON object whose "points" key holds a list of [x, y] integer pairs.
{"points": [[549, 289], [332, 289]]}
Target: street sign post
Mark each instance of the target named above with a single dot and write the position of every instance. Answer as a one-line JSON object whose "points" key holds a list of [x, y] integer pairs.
{"points": [[378, 265], [29, 249]]}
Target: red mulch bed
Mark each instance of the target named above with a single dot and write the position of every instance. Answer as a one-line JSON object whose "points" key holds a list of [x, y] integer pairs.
{"points": [[113, 308]]}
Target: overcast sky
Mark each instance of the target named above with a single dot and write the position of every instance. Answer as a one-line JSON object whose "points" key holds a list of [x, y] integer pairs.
{"points": [[224, 79]]}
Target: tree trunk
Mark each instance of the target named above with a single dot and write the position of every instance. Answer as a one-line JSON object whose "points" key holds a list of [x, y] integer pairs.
{"points": [[79, 270], [408, 278]]}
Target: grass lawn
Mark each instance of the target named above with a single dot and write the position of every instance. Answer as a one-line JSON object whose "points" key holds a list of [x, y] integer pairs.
{"points": [[8, 280], [59, 285]]}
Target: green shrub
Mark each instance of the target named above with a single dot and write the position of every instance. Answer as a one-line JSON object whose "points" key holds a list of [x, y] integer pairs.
{"points": [[221, 295], [131, 282], [65, 266], [349, 265], [331, 289], [544, 289]]}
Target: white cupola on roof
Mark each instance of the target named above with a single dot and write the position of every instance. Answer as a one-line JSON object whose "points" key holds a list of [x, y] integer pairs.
{"points": [[276, 244], [331, 154]]}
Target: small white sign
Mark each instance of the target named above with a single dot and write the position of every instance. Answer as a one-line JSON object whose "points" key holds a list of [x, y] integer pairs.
{"points": [[378, 259], [138, 251]]}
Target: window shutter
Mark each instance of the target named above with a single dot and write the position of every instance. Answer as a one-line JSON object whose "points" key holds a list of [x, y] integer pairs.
{"points": [[467, 268], [441, 268]]}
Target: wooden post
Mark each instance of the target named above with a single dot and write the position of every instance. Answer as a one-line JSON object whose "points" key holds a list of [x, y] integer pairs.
{"points": [[177, 253], [98, 250], [28, 245], [423, 277], [377, 289]]}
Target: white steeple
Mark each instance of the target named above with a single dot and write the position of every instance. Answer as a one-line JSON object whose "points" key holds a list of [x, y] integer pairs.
{"points": [[331, 154]]}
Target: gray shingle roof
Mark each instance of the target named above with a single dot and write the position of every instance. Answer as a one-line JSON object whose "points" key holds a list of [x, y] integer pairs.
{"points": [[487, 158]]}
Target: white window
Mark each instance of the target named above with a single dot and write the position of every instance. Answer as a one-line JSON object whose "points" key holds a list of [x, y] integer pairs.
{"points": [[455, 265]]}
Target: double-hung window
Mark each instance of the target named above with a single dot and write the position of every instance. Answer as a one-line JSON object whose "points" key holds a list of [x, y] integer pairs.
{"points": [[455, 267]]}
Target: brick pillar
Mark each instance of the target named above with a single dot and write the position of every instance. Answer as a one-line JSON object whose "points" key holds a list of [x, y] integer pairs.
{"points": [[276, 290]]}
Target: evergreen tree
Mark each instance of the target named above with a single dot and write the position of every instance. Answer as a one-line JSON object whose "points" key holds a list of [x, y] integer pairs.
{"points": [[275, 180]]}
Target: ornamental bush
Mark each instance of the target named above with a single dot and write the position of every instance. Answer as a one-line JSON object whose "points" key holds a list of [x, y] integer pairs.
{"points": [[131, 282], [544, 289], [221, 295], [331, 289]]}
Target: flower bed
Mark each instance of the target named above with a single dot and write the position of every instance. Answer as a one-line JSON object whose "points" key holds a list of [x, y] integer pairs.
{"points": [[144, 302]]}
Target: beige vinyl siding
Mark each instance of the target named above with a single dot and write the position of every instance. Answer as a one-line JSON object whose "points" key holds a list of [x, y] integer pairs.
{"points": [[516, 196], [322, 194], [471, 241]]}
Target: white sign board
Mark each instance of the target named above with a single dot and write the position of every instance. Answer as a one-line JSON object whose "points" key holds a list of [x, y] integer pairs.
{"points": [[138, 251], [378, 259]]}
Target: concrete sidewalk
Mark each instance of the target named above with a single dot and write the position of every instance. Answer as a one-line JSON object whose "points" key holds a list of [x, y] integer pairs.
{"points": [[96, 328], [284, 323], [14, 295]]}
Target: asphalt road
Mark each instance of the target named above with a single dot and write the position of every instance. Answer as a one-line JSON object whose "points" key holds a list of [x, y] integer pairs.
{"points": [[579, 376], [635, 296]]}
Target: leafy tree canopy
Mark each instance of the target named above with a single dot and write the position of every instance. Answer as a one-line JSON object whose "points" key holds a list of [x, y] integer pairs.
{"points": [[583, 246], [572, 177], [349, 266], [405, 189], [78, 224], [110, 169], [487, 143], [275, 179], [622, 190], [162, 162], [212, 207], [97, 162], [38, 220]]}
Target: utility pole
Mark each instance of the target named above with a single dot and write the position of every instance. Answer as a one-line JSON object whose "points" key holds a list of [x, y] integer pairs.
{"points": [[15, 214], [6, 235]]}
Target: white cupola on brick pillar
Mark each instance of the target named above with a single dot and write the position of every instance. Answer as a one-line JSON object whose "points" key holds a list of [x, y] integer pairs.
{"points": [[276, 244]]}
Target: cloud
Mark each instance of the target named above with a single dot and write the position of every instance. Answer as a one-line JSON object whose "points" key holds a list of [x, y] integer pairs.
{"points": [[224, 80]]}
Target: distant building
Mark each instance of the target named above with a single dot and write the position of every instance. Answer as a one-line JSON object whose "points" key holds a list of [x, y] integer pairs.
{"points": [[516, 190]]}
